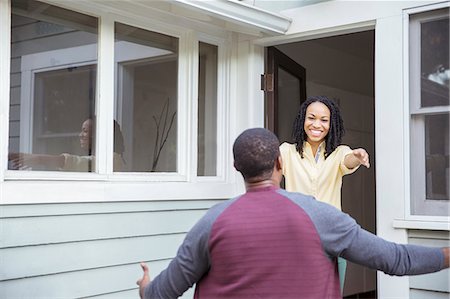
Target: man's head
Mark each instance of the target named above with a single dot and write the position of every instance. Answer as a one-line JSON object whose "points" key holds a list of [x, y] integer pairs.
{"points": [[255, 153]]}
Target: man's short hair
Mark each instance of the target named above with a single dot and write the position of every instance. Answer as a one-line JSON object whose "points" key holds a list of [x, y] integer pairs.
{"points": [[255, 152]]}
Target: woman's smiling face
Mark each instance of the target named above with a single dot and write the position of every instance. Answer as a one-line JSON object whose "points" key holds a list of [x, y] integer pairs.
{"points": [[85, 134], [317, 122]]}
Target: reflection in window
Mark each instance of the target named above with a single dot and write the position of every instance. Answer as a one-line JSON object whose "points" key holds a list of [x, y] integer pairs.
{"points": [[435, 62], [429, 109], [207, 110], [437, 151], [146, 98], [53, 83]]}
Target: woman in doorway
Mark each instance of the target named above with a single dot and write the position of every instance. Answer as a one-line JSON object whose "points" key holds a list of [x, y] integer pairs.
{"points": [[316, 162]]}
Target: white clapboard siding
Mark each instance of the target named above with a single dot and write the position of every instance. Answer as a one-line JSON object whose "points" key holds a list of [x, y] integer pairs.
{"points": [[13, 145], [58, 229], [69, 40], [81, 284], [77, 256], [15, 65], [14, 112], [439, 281], [20, 21], [36, 29], [30, 210], [14, 96], [89, 249], [423, 294], [14, 80], [132, 294], [14, 127]]}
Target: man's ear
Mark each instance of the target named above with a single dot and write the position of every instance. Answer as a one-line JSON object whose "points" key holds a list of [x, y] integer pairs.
{"points": [[279, 163]]}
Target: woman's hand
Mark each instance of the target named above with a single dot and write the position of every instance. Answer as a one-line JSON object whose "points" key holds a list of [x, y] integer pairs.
{"points": [[362, 156]]}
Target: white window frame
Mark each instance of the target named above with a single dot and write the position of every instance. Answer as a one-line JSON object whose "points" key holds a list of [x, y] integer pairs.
{"points": [[58, 187], [222, 107], [411, 107]]}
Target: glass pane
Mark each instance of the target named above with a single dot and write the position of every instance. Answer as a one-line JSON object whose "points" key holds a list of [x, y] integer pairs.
{"points": [[53, 83], [288, 87], [207, 110], [437, 152], [435, 70], [146, 100]]}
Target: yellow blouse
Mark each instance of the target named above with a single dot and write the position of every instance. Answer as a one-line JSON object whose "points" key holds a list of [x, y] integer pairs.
{"points": [[321, 179]]}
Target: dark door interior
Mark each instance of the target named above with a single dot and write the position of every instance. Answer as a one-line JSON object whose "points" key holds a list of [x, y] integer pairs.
{"points": [[285, 89]]}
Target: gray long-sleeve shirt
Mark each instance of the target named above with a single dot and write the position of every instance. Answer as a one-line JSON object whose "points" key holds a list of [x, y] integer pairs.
{"points": [[270, 243]]}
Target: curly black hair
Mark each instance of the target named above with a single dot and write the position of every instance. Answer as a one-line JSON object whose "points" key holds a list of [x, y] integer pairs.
{"points": [[335, 134], [255, 152]]}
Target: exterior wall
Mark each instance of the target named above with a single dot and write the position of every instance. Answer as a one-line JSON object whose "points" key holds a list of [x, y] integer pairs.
{"points": [[89, 249], [79, 238]]}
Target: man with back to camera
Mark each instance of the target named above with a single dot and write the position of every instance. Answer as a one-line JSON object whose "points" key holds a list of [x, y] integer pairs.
{"points": [[270, 243]]}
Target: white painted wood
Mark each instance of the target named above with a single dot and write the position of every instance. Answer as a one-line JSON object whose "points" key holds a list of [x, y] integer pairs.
{"points": [[72, 188], [438, 281], [428, 223], [5, 35], [29, 31], [421, 294], [13, 145], [241, 13], [80, 284], [77, 256], [29, 231], [390, 175], [34, 210]]}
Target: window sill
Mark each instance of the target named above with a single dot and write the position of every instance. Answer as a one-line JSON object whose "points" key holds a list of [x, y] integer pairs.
{"points": [[443, 225]]}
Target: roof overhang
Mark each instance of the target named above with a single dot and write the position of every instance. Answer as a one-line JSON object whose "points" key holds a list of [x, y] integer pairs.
{"points": [[240, 14], [230, 15]]}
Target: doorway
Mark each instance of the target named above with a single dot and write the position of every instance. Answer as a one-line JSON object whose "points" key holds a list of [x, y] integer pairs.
{"points": [[340, 67]]}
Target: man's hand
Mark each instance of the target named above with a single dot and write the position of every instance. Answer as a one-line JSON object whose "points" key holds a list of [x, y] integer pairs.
{"points": [[446, 252], [144, 281]]}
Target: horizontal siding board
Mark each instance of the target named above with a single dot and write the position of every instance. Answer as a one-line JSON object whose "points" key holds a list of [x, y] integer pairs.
{"points": [[15, 64], [74, 228], [71, 250], [438, 281], [15, 80], [420, 294], [14, 112], [36, 30], [29, 210], [133, 294], [44, 260], [18, 20], [13, 146], [14, 128], [81, 284], [15, 97], [63, 41]]}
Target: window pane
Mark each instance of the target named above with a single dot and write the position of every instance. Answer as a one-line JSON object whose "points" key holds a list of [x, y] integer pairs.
{"points": [[53, 82], [146, 100], [437, 152], [435, 70], [207, 110]]}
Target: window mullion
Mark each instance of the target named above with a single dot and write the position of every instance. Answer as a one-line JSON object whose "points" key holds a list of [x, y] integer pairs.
{"points": [[105, 96], [5, 19]]}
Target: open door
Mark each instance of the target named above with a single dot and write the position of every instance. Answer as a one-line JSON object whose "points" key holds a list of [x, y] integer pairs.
{"points": [[284, 83], [285, 89]]}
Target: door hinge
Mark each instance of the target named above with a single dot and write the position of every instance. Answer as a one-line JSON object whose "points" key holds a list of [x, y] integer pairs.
{"points": [[267, 82]]}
